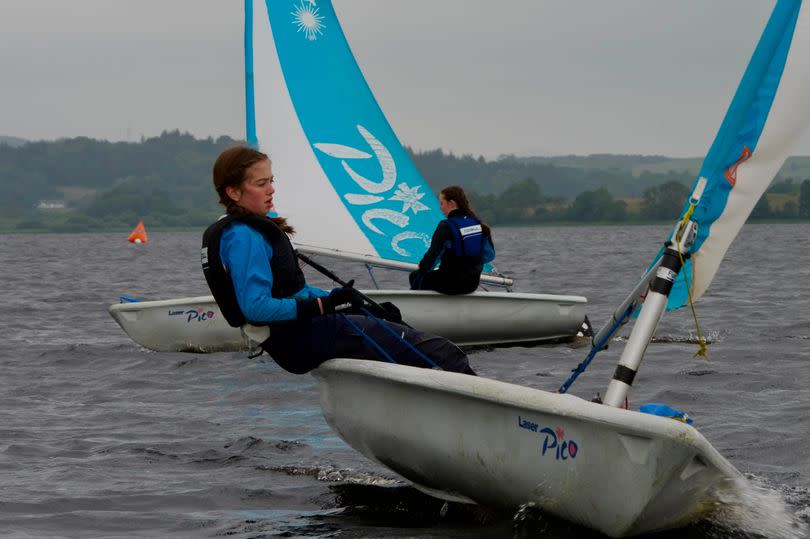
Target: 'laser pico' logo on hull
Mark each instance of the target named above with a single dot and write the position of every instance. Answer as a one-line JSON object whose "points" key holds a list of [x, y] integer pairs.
{"points": [[554, 442], [199, 314]]}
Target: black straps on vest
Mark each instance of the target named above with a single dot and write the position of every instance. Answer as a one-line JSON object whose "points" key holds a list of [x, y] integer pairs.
{"points": [[287, 276]]}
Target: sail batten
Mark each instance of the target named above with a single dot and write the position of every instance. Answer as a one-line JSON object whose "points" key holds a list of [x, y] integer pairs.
{"points": [[768, 113]]}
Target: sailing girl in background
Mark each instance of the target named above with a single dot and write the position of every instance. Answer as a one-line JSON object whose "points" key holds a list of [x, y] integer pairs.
{"points": [[252, 270], [462, 244]]}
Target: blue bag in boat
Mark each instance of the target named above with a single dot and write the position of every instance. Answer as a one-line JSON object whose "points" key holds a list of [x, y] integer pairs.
{"points": [[656, 408]]}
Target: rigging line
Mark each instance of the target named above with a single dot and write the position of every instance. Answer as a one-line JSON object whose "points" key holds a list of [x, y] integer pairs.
{"points": [[402, 339], [619, 317], [595, 350], [369, 339], [703, 350], [371, 274]]}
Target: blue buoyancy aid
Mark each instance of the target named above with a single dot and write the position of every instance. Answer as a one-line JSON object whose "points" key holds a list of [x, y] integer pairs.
{"points": [[468, 236], [287, 275]]}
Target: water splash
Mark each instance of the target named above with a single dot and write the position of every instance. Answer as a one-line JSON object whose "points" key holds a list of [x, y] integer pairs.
{"points": [[691, 337], [336, 475], [754, 508], [528, 515]]}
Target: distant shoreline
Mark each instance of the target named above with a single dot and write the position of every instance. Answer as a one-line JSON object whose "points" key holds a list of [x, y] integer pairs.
{"points": [[125, 231]]}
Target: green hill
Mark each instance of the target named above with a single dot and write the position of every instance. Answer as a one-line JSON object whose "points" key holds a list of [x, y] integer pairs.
{"points": [[87, 184]]}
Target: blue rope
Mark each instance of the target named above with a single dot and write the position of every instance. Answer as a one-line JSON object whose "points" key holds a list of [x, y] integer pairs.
{"points": [[370, 274], [595, 350], [369, 339], [387, 328]]}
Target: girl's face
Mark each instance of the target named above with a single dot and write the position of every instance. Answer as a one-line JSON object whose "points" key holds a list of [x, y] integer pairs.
{"points": [[446, 206], [255, 193]]}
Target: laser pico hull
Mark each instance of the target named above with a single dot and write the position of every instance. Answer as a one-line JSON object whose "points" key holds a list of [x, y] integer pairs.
{"points": [[195, 324], [471, 439]]}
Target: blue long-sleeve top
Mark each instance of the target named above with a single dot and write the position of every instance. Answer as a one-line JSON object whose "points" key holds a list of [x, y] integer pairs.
{"points": [[246, 255]]}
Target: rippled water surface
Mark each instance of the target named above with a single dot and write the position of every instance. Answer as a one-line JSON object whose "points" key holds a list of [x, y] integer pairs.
{"points": [[101, 438]]}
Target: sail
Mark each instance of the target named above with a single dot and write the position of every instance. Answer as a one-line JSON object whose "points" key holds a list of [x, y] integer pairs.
{"points": [[769, 111], [138, 234], [344, 180]]}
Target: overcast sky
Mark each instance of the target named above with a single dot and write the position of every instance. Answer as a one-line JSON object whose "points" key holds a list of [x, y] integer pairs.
{"points": [[471, 76]]}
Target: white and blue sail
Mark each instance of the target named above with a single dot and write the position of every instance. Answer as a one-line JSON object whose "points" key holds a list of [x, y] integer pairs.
{"points": [[769, 111], [345, 181]]}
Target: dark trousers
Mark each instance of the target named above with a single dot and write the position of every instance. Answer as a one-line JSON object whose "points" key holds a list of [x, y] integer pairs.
{"points": [[300, 346], [444, 281]]}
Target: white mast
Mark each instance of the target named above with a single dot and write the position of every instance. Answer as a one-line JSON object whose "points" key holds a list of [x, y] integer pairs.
{"points": [[654, 306]]}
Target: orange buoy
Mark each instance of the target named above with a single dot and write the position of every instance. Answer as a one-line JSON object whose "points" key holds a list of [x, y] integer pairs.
{"points": [[139, 234]]}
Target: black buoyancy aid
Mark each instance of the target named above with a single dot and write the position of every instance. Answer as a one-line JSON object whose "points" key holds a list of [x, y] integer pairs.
{"points": [[287, 276], [468, 236]]}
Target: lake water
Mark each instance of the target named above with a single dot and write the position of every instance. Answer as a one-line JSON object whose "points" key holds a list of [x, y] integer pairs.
{"points": [[101, 438]]}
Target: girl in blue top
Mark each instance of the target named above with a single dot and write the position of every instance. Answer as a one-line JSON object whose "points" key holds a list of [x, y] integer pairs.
{"points": [[251, 268]]}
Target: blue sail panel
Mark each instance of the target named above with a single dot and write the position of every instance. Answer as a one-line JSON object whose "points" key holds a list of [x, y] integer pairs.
{"points": [[767, 114], [373, 180]]}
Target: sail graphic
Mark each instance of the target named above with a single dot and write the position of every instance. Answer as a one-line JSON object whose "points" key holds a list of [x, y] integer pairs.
{"points": [[769, 111], [344, 179]]}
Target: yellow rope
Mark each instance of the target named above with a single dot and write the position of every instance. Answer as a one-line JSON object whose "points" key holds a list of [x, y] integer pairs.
{"points": [[703, 351]]}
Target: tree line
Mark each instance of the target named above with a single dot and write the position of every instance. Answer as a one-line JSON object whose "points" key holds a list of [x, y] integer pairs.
{"points": [[165, 180], [523, 203]]}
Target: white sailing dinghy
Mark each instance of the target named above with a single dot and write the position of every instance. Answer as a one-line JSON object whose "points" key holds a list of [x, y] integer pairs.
{"points": [[617, 471], [196, 324], [349, 189]]}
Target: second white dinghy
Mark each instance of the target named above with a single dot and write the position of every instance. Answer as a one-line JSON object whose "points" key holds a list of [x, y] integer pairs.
{"points": [[196, 324], [617, 471]]}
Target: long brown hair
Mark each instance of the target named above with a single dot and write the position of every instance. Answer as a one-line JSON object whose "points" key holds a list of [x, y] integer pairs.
{"points": [[457, 195], [229, 171]]}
